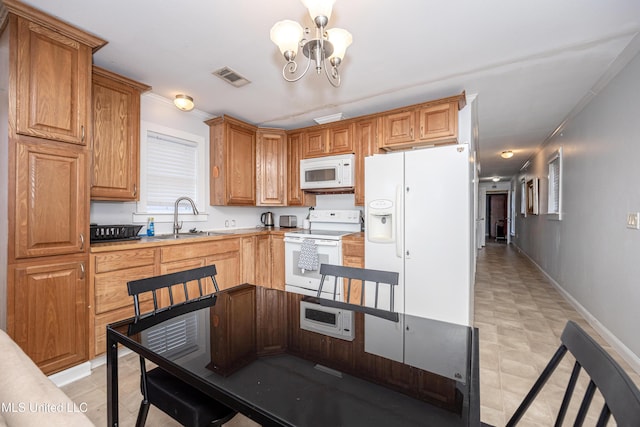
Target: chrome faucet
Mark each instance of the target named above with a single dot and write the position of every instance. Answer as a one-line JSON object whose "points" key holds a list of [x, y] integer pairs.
{"points": [[177, 226]]}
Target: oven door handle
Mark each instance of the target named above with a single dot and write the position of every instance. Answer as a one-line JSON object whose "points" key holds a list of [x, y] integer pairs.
{"points": [[331, 243]]}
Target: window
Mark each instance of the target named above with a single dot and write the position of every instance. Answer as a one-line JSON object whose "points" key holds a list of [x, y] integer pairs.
{"points": [[555, 185], [172, 165]]}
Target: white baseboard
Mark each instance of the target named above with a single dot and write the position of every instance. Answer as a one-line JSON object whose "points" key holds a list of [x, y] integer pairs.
{"points": [[82, 370], [72, 374], [630, 357]]}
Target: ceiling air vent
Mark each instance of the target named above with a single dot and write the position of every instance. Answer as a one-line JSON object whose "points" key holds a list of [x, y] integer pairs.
{"points": [[231, 77]]}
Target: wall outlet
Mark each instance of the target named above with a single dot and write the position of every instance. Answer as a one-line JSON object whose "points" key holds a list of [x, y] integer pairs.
{"points": [[633, 220]]}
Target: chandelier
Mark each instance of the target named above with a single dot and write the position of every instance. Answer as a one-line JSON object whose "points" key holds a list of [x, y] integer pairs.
{"points": [[327, 46]]}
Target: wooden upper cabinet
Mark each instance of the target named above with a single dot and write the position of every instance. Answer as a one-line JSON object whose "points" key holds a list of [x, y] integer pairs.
{"points": [[365, 144], [340, 139], [51, 187], [271, 167], [315, 143], [115, 173], [328, 140], [295, 196], [232, 162], [53, 84], [431, 123], [439, 122], [398, 128]]}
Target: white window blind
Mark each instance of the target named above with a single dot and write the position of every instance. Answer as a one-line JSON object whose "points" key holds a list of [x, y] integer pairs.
{"points": [[172, 171], [180, 336], [555, 184]]}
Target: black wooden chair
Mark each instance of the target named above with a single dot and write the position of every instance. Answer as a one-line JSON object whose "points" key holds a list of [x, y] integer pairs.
{"points": [[621, 396], [377, 278], [184, 403]]}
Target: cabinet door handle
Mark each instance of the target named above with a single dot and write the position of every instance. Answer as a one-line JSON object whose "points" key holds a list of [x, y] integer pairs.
{"points": [[411, 132], [82, 133], [421, 131], [135, 190], [82, 270], [82, 241]]}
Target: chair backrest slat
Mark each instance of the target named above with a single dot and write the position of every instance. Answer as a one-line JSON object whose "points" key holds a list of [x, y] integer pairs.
{"points": [[605, 414], [168, 281], [620, 394], [377, 277], [567, 394]]}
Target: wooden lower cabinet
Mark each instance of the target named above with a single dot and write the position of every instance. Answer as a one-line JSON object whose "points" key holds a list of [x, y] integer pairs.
{"points": [[269, 264], [48, 316], [248, 259], [277, 261], [228, 267], [263, 260], [109, 274], [353, 256]]}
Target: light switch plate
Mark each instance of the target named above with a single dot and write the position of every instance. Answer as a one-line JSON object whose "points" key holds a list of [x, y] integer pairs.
{"points": [[633, 220]]}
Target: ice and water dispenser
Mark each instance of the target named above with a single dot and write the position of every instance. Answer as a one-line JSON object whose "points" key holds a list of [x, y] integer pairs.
{"points": [[380, 221]]}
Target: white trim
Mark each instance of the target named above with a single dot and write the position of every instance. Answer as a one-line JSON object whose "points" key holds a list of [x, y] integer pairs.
{"points": [[102, 359], [141, 215], [82, 370], [556, 155], [618, 346], [72, 374]]}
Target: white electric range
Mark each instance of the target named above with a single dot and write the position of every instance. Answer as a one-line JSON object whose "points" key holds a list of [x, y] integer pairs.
{"points": [[327, 229]]}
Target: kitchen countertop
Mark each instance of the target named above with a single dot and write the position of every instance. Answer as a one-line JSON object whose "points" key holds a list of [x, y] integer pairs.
{"points": [[157, 241]]}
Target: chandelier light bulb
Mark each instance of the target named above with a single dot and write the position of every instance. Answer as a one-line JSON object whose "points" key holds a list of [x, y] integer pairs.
{"points": [[319, 8]]}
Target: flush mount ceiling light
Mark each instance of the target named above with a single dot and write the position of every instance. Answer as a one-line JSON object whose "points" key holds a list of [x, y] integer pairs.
{"points": [[328, 45], [184, 102], [495, 179], [506, 154]]}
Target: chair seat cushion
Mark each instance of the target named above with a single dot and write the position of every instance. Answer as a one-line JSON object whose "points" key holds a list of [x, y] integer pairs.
{"points": [[184, 403]]}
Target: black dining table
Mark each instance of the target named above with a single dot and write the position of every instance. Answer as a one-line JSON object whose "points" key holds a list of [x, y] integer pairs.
{"points": [[245, 348]]}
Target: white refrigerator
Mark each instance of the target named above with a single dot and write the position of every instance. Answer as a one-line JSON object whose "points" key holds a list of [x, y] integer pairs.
{"points": [[418, 222]]}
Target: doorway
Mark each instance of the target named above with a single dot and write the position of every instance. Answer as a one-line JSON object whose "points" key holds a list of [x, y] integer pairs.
{"points": [[497, 216]]}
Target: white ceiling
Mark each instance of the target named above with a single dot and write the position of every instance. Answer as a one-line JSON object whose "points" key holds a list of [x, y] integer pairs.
{"points": [[530, 62]]}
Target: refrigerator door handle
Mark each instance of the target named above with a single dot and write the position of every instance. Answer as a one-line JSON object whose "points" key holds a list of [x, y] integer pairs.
{"points": [[398, 214]]}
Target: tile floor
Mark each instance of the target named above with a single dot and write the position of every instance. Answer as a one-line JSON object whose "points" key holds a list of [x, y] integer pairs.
{"points": [[520, 317]]}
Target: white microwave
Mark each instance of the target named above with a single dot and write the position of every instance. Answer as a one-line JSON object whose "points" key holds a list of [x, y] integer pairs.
{"points": [[330, 321], [331, 172]]}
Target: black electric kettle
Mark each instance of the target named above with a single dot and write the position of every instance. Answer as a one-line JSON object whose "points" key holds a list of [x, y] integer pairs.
{"points": [[267, 219]]}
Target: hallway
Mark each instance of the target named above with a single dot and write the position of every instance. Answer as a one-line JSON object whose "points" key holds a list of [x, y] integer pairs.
{"points": [[521, 316]]}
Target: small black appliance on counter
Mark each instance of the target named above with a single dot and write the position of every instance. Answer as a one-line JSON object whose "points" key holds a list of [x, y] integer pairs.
{"points": [[111, 233]]}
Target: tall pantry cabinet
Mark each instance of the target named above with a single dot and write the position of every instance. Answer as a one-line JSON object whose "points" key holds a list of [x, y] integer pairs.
{"points": [[48, 80]]}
